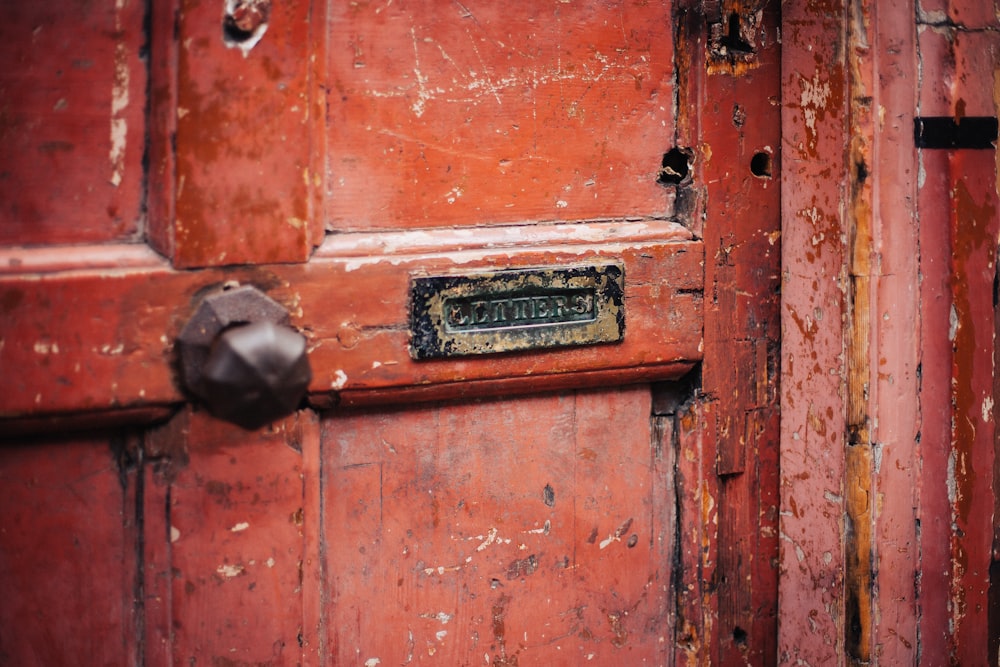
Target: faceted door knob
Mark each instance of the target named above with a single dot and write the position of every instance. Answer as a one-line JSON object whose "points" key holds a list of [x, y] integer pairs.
{"points": [[239, 356]]}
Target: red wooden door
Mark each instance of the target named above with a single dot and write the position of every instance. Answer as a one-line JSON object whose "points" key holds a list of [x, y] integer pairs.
{"points": [[532, 250]]}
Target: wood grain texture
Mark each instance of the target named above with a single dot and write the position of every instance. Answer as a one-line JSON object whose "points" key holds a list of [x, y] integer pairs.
{"points": [[236, 516], [733, 129], [896, 372], [529, 531], [814, 168], [102, 339]]}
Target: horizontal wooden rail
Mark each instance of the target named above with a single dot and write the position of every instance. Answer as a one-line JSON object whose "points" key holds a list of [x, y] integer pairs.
{"points": [[87, 334]]}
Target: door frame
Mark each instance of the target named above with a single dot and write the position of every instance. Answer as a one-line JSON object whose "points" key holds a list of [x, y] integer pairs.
{"points": [[887, 497]]}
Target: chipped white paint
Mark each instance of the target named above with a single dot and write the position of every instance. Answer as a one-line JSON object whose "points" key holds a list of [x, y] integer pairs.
{"points": [[44, 347], [339, 380], [372, 662], [109, 350], [175, 534], [442, 617], [241, 526], [119, 102], [800, 554], [378, 245], [454, 194], [931, 16], [815, 96], [492, 537], [544, 530], [461, 257], [423, 95], [230, 571], [441, 634]]}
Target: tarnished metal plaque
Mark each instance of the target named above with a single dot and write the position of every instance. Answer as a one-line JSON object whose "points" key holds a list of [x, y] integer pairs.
{"points": [[507, 311]]}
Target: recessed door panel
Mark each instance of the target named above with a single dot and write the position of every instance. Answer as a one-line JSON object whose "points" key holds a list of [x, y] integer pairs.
{"points": [[527, 531]]}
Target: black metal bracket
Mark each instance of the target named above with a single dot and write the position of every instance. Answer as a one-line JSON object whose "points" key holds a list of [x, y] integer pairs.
{"points": [[976, 132]]}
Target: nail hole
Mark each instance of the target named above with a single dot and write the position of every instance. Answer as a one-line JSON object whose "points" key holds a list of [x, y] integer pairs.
{"points": [[632, 540], [760, 164], [739, 635], [675, 167]]}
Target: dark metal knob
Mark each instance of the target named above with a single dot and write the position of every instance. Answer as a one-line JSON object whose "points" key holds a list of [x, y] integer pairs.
{"points": [[239, 356]]}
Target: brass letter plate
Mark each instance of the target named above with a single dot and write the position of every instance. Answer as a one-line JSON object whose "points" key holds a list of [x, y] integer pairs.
{"points": [[508, 311]]}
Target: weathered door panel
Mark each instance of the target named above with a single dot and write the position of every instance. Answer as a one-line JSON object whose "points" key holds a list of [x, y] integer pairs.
{"points": [[71, 123], [444, 113], [235, 511], [958, 200], [540, 514], [727, 470], [233, 149], [537, 530]]}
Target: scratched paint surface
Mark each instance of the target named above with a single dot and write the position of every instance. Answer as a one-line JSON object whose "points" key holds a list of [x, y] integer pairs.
{"points": [[235, 523], [71, 122], [966, 441], [529, 531], [812, 434], [450, 113], [888, 442], [236, 175]]}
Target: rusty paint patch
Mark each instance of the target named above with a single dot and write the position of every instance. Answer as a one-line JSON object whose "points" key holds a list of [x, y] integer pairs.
{"points": [[733, 35]]}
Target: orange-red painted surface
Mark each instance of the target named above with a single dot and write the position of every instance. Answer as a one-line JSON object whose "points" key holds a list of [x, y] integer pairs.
{"points": [[607, 504], [72, 127], [479, 532], [452, 113]]}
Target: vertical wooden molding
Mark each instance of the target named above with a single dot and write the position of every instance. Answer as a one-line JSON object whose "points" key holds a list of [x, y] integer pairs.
{"points": [[728, 69], [993, 657], [858, 337], [161, 165], [813, 376], [894, 359], [233, 118]]}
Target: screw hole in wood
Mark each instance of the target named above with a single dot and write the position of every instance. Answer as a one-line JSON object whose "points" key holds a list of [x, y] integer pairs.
{"points": [[675, 167], [760, 164], [244, 23]]}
